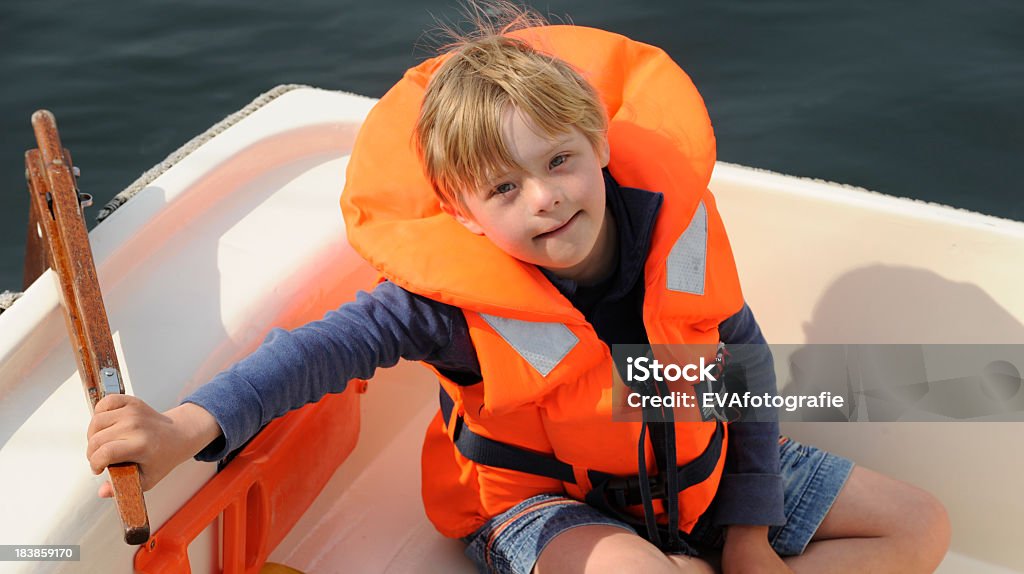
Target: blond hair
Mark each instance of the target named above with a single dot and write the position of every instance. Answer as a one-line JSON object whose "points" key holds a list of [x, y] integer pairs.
{"points": [[458, 134]]}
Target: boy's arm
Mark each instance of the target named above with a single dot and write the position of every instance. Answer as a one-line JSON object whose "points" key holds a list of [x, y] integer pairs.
{"points": [[750, 496], [286, 372], [291, 369], [751, 489]]}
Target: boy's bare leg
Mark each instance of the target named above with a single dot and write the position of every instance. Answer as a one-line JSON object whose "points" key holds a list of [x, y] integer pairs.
{"points": [[599, 548], [878, 524]]}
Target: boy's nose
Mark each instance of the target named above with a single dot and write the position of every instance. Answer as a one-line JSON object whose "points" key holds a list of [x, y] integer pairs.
{"points": [[541, 197]]}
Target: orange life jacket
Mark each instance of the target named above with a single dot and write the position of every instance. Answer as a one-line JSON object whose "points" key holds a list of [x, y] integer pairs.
{"points": [[546, 375]]}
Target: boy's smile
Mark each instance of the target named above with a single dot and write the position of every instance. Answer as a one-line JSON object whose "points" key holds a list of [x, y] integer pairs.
{"points": [[549, 210]]}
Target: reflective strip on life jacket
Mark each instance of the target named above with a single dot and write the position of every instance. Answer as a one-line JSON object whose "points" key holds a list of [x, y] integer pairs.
{"points": [[687, 262], [543, 345]]}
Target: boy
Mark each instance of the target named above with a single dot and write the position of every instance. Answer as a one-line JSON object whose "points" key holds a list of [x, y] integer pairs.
{"points": [[511, 290]]}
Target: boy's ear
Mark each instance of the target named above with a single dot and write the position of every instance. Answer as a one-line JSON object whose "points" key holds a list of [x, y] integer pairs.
{"points": [[604, 151], [466, 222]]}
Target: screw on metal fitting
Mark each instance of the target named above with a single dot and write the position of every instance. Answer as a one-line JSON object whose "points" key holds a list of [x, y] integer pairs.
{"points": [[111, 381]]}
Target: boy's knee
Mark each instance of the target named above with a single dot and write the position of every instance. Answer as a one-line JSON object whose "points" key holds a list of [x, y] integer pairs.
{"points": [[929, 530], [941, 528]]}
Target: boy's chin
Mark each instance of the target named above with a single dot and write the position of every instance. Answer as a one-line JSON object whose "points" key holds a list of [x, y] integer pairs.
{"points": [[566, 269]]}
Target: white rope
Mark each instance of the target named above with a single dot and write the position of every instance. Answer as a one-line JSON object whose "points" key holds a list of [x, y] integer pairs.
{"points": [[7, 298]]}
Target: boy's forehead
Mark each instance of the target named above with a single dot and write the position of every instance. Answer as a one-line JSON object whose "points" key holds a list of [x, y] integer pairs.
{"points": [[526, 141], [517, 128]]}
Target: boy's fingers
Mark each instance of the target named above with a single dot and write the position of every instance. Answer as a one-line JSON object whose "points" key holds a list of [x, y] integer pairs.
{"points": [[103, 436], [100, 421], [111, 402], [99, 458], [113, 452]]}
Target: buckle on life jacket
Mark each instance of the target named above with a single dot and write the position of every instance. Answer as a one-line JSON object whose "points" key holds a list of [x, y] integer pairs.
{"points": [[626, 490], [612, 494], [623, 491]]}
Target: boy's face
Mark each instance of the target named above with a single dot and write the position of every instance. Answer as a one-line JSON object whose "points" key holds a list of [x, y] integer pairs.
{"points": [[549, 211]]}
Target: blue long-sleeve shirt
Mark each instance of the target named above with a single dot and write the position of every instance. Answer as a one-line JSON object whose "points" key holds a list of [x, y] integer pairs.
{"points": [[293, 368]]}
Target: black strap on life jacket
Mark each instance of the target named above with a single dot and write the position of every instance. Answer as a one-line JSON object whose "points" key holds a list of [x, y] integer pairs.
{"points": [[660, 422], [610, 493]]}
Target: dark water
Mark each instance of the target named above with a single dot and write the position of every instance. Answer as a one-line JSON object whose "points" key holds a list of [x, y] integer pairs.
{"points": [[918, 99]]}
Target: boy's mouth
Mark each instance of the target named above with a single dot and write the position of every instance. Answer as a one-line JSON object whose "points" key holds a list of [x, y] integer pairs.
{"points": [[558, 229]]}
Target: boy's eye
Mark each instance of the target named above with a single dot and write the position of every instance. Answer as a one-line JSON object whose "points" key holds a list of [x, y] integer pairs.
{"points": [[503, 188], [558, 160]]}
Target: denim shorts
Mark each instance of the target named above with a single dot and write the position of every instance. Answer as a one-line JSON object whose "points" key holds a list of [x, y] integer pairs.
{"points": [[512, 541]]}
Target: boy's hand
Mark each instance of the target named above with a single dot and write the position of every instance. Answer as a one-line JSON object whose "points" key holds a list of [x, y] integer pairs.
{"points": [[126, 429], [747, 551]]}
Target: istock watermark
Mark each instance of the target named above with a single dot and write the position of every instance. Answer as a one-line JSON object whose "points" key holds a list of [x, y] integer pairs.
{"points": [[840, 383], [643, 369]]}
